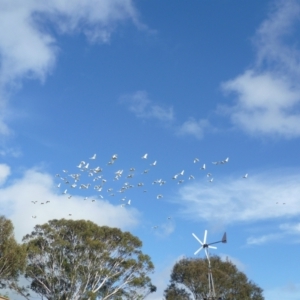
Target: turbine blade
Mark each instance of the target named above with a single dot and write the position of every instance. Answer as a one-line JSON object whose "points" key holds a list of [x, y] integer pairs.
{"points": [[194, 235], [212, 247], [206, 252], [198, 250], [205, 235]]}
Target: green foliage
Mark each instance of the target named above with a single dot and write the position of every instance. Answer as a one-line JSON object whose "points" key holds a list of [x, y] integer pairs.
{"points": [[80, 260], [12, 255], [190, 277], [173, 292]]}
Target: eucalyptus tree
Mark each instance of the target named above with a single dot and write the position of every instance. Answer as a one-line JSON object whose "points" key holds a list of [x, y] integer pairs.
{"points": [[12, 255], [189, 280], [70, 260]]}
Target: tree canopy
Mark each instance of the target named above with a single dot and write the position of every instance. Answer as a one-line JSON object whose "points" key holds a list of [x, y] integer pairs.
{"points": [[70, 260], [189, 280], [12, 255]]}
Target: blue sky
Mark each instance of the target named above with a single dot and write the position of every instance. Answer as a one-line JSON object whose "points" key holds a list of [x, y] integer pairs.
{"points": [[178, 80]]}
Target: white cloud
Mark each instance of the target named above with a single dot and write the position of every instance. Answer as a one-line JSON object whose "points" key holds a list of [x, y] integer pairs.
{"points": [[268, 95], [30, 50], [27, 49], [194, 128], [230, 200], [15, 204], [266, 104], [4, 173], [140, 104]]}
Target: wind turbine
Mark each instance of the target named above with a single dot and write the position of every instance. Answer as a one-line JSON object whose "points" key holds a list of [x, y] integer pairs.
{"points": [[206, 246]]}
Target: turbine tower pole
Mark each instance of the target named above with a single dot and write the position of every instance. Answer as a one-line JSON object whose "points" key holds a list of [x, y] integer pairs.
{"points": [[211, 287], [205, 246]]}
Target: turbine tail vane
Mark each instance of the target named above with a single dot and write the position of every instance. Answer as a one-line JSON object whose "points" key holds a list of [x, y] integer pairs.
{"points": [[224, 238]]}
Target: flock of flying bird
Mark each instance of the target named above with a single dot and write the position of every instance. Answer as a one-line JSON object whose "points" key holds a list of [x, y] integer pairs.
{"points": [[92, 178]]}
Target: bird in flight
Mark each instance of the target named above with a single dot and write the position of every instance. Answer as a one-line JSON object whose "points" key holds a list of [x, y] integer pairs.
{"points": [[225, 161], [94, 171], [153, 164]]}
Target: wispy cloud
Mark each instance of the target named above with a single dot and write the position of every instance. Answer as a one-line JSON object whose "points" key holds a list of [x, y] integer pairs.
{"points": [[31, 51], [231, 200], [16, 204], [262, 239], [162, 276], [290, 291], [291, 228], [144, 108], [194, 128], [283, 230], [14, 152], [140, 104], [268, 95], [241, 266], [165, 229]]}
